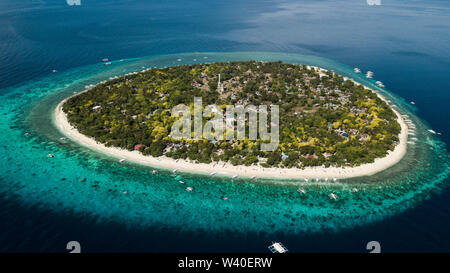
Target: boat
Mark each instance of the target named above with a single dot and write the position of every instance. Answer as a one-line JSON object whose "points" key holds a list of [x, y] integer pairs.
{"points": [[306, 179], [189, 188], [253, 177], [277, 247], [122, 160], [213, 173], [301, 190], [105, 60], [333, 196], [431, 131], [50, 155], [154, 172], [369, 74], [334, 179], [357, 70], [235, 176], [174, 171], [54, 70], [179, 60], [225, 198], [412, 103], [182, 182], [107, 63], [355, 190]]}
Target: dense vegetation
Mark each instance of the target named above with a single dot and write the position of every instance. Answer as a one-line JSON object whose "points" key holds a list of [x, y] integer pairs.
{"points": [[324, 120]]}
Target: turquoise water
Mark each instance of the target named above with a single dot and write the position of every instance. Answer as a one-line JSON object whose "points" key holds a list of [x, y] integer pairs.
{"points": [[81, 182]]}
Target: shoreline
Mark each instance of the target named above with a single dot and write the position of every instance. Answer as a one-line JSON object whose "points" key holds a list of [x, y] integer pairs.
{"points": [[227, 169]]}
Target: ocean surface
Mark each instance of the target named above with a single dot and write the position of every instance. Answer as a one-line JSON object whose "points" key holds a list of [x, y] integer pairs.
{"points": [[83, 196]]}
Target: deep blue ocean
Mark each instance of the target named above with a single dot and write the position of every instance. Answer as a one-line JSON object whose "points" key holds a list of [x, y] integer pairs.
{"points": [[405, 42]]}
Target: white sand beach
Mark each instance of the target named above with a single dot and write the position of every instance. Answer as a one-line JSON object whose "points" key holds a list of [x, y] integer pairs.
{"points": [[227, 169]]}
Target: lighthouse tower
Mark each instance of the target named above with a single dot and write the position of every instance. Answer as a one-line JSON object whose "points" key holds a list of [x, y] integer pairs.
{"points": [[219, 85]]}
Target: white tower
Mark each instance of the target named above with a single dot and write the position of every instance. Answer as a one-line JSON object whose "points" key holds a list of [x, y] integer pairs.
{"points": [[219, 85]]}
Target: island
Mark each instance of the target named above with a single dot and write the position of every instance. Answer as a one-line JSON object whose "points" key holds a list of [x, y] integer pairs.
{"points": [[329, 125]]}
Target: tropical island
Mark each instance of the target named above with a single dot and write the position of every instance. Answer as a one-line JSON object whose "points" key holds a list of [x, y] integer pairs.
{"points": [[326, 121]]}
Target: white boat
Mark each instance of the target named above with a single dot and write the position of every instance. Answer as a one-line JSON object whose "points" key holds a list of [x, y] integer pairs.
{"points": [[333, 196], [107, 63], [253, 177], [213, 173], [50, 155], [54, 70], [369, 74], [105, 60], [412, 103], [277, 247], [181, 182], [306, 179], [334, 179], [355, 190], [235, 176], [122, 160], [431, 131], [154, 172], [301, 190], [189, 188], [179, 60], [174, 171], [357, 70]]}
